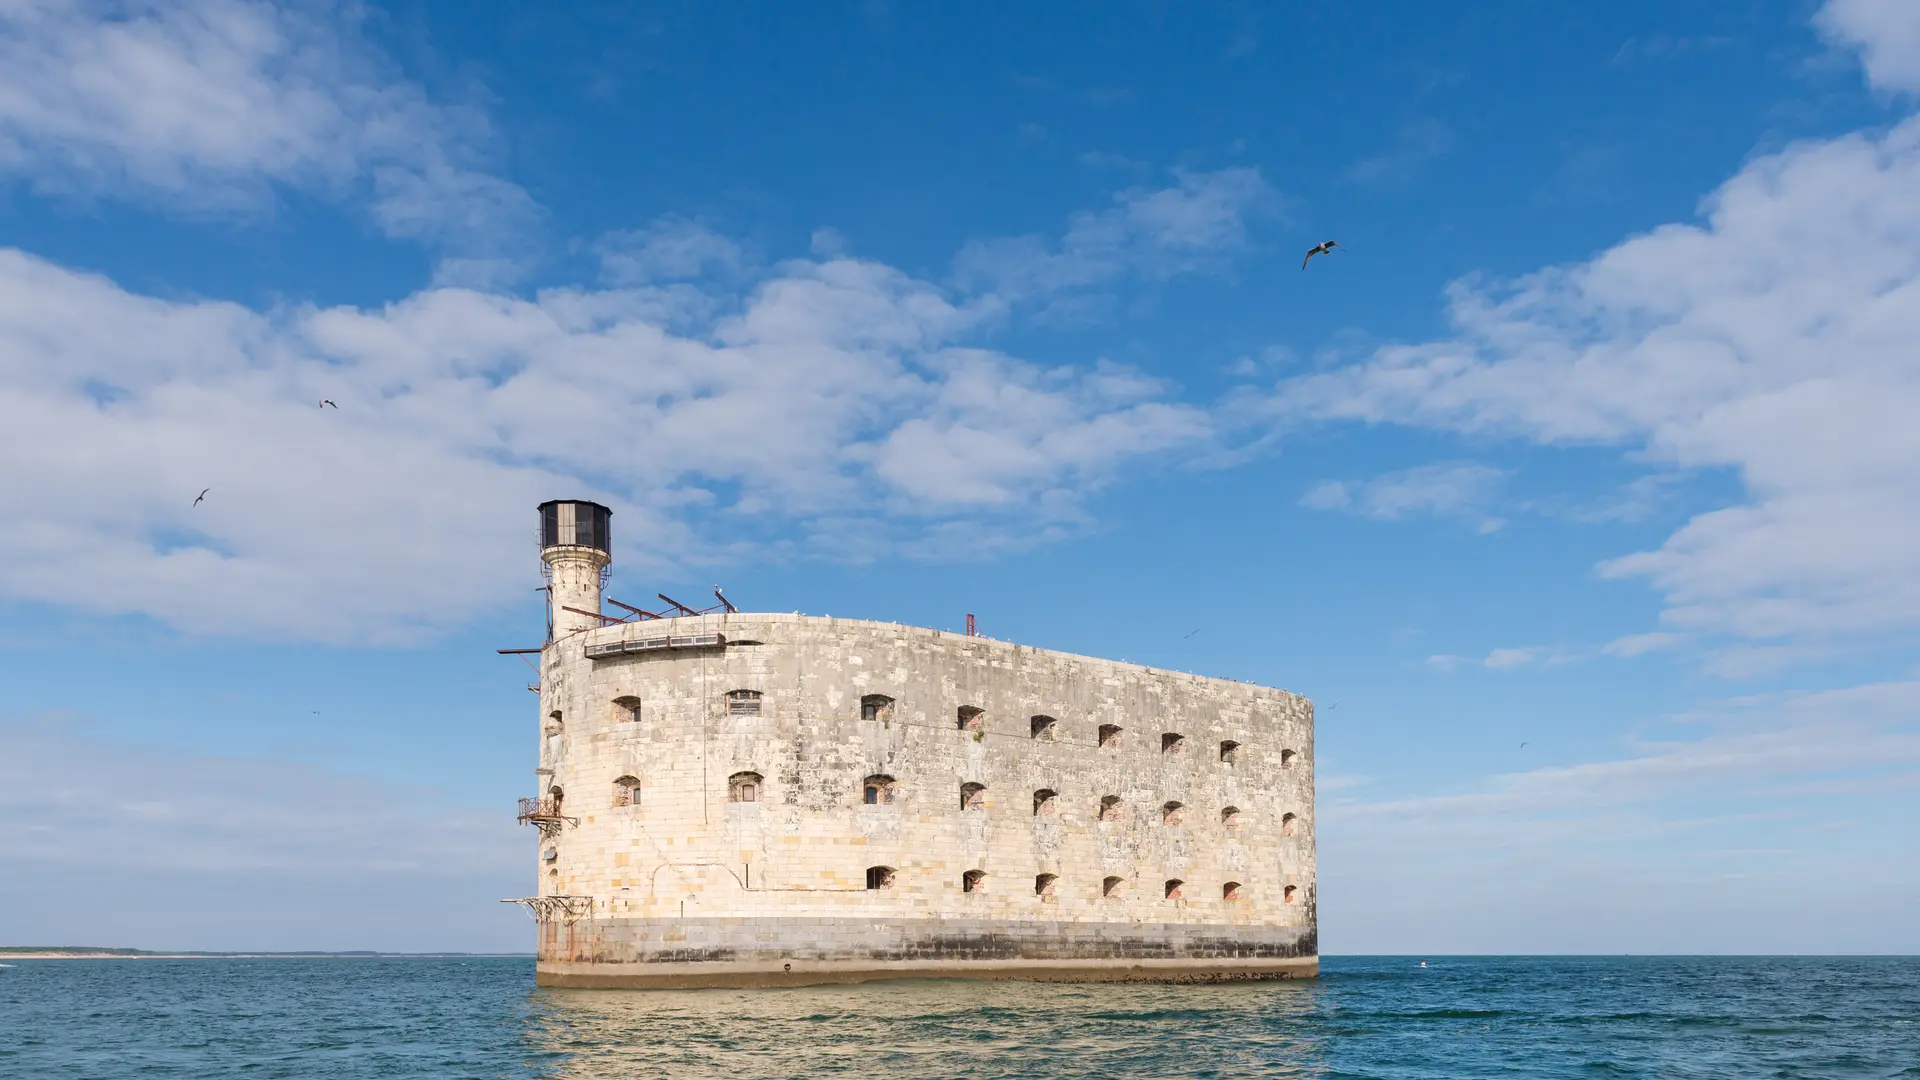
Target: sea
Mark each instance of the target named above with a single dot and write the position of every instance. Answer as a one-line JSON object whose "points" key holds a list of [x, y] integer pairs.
{"points": [[1457, 1018]]}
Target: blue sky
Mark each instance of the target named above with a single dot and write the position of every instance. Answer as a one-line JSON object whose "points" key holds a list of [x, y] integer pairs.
{"points": [[1596, 438]]}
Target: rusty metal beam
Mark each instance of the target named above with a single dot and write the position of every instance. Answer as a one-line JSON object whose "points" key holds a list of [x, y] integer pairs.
{"points": [[642, 612], [684, 609]]}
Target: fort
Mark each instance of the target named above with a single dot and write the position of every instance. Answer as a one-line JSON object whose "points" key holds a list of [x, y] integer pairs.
{"points": [[730, 798]]}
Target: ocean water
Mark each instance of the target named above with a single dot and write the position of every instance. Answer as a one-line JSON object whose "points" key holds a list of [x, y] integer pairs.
{"points": [[1458, 1018]]}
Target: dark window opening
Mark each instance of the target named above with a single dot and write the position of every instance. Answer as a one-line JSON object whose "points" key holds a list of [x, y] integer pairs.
{"points": [[626, 791], [1230, 817], [626, 709], [1044, 802], [1111, 886], [1108, 733], [1043, 885], [1229, 751], [1172, 813], [879, 877], [1173, 743], [973, 881], [1110, 808], [1173, 888], [1230, 892], [1286, 759], [971, 718], [876, 707], [1290, 891], [1286, 824], [744, 787], [1042, 727], [876, 789], [973, 796]]}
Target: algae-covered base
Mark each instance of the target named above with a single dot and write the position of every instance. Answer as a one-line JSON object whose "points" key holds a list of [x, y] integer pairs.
{"points": [[722, 974]]}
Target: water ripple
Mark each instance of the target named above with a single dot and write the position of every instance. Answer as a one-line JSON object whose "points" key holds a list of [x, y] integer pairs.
{"points": [[1672, 1018]]}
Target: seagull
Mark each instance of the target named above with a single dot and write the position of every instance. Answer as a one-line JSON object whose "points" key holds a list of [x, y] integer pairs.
{"points": [[1523, 746], [202, 495], [1189, 633], [1318, 249], [324, 402]]}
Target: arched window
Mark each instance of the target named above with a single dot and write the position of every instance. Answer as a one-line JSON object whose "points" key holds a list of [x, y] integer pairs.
{"points": [[973, 881], [876, 789], [1108, 733], [1109, 808], [626, 791], [1229, 752], [973, 796], [1286, 759], [626, 709], [1043, 886], [556, 797], [971, 718], [1172, 743], [744, 787], [743, 702], [876, 707], [1110, 887], [1286, 824], [1173, 888], [1290, 892], [1172, 813], [1045, 802], [553, 722], [1230, 817], [1043, 727], [879, 877], [1230, 892]]}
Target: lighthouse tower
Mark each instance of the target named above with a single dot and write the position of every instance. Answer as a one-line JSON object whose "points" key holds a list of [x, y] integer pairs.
{"points": [[576, 544]]}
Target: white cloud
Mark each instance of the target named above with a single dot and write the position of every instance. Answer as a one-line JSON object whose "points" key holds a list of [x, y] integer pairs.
{"points": [[204, 840], [1886, 33], [72, 799], [1501, 659], [668, 250], [1640, 644], [1154, 233], [1778, 339], [1629, 853], [207, 105], [1442, 489], [829, 397]]}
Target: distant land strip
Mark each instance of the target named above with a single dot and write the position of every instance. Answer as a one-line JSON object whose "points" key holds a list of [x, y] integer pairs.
{"points": [[92, 952]]}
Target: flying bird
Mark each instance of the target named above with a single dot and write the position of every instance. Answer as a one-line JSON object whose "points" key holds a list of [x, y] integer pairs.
{"points": [[324, 402], [1523, 746], [1318, 249], [202, 495], [1189, 633]]}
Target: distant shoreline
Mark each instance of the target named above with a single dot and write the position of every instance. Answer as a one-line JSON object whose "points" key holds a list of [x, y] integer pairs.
{"points": [[141, 954]]}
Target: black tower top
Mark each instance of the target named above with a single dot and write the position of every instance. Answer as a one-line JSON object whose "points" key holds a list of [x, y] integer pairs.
{"points": [[576, 523]]}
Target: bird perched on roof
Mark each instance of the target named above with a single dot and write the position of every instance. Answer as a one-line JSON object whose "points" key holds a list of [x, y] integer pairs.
{"points": [[202, 495], [1318, 249], [324, 402]]}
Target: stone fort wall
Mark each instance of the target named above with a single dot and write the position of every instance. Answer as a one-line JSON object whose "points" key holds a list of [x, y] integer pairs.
{"points": [[732, 804]]}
